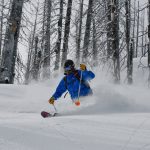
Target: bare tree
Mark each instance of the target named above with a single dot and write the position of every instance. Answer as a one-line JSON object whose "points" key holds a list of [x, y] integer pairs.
{"points": [[31, 46], [43, 24], [87, 31], [28, 66], [109, 49], [143, 26], [58, 43], [46, 62], [129, 43], [116, 54], [79, 32], [149, 42], [66, 32], [35, 68], [133, 33], [11, 41], [114, 39], [95, 52], [1, 26], [137, 36]]}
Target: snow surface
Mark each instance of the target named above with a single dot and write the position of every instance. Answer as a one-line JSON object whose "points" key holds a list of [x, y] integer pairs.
{"points": [[117, 117]]}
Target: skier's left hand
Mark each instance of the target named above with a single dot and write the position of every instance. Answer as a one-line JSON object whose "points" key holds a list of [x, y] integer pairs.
{"points": [[51, 100], [82, 67]]}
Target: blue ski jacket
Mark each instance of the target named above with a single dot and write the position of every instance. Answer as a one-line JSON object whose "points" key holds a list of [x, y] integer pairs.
{"points": [[72, 84]]}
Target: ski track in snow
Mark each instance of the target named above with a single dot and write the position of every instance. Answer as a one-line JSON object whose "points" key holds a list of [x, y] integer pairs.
{"points": [[117, 117]]}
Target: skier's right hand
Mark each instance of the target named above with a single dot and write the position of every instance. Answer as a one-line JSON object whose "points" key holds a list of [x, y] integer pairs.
{"points": [[51, 100], [82, 67]]}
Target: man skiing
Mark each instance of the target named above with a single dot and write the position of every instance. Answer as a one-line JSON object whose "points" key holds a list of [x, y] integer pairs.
{"points": [[75, 81]]}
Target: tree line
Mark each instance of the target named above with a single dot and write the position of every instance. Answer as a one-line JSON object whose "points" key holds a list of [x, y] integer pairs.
{"points": [[95, 32]]}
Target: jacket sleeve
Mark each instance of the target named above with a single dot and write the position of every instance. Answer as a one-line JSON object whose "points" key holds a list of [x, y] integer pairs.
{"points": [[61, 88], [87, 75]]}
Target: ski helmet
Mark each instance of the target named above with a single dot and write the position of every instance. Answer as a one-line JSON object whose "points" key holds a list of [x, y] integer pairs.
{"points": [[69, 64]]}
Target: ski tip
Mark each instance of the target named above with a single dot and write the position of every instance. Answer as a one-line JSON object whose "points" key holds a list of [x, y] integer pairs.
{"points": [[45, 114]]}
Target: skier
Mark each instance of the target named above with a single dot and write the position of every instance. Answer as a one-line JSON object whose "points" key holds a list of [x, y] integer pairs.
{"points": [[75, 81]]}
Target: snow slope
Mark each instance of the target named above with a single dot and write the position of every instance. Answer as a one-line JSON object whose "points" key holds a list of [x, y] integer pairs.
{"points": [[117, 117]]}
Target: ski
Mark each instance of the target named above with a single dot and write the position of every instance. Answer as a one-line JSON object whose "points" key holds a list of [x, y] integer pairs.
{"points": [[45, 114]]}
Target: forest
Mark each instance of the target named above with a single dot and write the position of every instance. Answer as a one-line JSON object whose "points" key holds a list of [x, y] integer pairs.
{"points": [[37, 36]]}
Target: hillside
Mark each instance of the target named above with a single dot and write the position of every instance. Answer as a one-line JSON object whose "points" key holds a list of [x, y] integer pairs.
{"points": [[116, 117]]}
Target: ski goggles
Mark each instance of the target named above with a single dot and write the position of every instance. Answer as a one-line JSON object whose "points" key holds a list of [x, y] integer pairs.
{"points": [[67, 68]]}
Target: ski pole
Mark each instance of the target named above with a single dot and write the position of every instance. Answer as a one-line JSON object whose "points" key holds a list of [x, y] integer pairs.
{"points": [[55, 108], [78, 102], [80, 85]]}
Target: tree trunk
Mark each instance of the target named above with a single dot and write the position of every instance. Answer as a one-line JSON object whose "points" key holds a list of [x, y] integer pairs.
{"points": [[43, 25], [115, 39], [11, 42], [31, 45], [79, 34], [28, 69], [133, 33], [1, 27], [129, 45], [143, 28], [149, 62], [109, 33], [95, 52], [58, 43], [46, 62], [149, 42], [35, 61], [137, 36], [66, 32], [87, 31], [130, 63]]}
